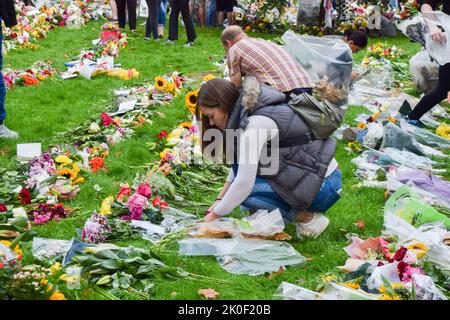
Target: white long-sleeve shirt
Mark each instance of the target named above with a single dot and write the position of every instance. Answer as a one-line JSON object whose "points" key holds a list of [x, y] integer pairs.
{"points": [[258, 132]]}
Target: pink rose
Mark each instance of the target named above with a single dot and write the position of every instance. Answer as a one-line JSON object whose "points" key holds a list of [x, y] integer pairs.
{"points": [[144, 190]]}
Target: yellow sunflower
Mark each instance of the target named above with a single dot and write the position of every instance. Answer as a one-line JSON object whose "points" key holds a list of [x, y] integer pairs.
{"points": [[208, 77], [68, 173], [170, 87], [64, 160], [191, 101], [160, 83]]}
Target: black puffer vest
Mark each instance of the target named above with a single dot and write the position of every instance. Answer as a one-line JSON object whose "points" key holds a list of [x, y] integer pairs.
{"points": [[302, 167]]}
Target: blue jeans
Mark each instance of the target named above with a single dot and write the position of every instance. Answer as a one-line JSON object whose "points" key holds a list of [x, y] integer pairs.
{"points": [[211, 19], [163, 12], [264, 197], [2, 81]]}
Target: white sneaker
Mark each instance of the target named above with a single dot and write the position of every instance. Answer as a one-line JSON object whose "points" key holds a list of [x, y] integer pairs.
{"points": [[6, 133], [170, 42], [188, 44], [314, 228]]}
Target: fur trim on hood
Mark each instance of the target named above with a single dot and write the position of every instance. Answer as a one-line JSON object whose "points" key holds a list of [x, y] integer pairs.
{"points": [[255, 94]]}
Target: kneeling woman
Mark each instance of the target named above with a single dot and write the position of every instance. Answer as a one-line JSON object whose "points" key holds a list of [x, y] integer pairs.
{"points": [[307, 181]]}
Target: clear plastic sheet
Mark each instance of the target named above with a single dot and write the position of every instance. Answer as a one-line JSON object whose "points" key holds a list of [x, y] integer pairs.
{"points": [[426, 289], [173, 221], [244, 256], [49, 248], [308, 13], [374, 135], [424, 72], [327, 61], [260, 224], [6, 254], [426, 137], [379, 77], [288, 291], [396, 137]]}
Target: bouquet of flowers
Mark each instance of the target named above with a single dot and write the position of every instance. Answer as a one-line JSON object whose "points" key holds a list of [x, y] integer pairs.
{"points": [[378, 52]]}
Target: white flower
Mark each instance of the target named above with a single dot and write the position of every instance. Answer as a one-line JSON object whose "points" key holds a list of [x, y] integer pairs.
{"points": [[19, 212], [94, 128]]}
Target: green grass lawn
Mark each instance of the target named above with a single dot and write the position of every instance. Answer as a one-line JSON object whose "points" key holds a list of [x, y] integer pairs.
{"points": [[38, 113]]}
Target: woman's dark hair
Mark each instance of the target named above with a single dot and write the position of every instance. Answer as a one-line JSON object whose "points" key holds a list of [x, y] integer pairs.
{"points": [[358, 37], [216, 93]]}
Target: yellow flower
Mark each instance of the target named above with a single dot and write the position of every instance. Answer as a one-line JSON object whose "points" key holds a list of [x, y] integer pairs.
{"points": [[353, 285], [160, 83], [170, 87], [7, 243], [328, 278], [64, 160], [191, 101], [55, 268], [420, 247], [163, 153], [57, 295], [44, 281], [382, 289], [78, 180], [186, 124], [106, 206], [209, 77], [67, 173], [68, 279], [75, 168], [443, 130]]}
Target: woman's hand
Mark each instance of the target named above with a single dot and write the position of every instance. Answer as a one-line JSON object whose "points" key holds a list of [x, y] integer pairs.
{"points": [[448, 97], [213, 206], [355, 75], [211, 217], [437, 34]]}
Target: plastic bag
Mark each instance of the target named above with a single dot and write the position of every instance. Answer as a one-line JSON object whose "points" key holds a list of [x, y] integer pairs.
{"points": [[327, 61], [260, 224], [426, 137], [49, 248], [408, 205], [438, 51], [396, 137], [288, 291], [340, 292], [244, 256], [6, 254], [378, 77], [424, 72], [374, 134], [309, 12], [426, 181], [426, 289]]}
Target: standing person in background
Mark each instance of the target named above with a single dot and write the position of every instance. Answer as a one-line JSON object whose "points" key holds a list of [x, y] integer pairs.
{"points": [[162, 17], [201, 10], [8, 15], [211, 20], [113, 5], [151, 27], [442, 90], [222, 7], [122, 7], [182, 6]]}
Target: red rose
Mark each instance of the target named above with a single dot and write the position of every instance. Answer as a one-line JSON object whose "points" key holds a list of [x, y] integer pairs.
{"points": [[158, 203], [24, 196], [400, 254], [3, 208], [144, 190], [2, 265], [402, 267], [106, 119], [162, 134]]}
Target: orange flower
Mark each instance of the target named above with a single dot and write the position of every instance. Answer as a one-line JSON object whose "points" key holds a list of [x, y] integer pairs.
{"points": [[96, 164], [57, 295]]}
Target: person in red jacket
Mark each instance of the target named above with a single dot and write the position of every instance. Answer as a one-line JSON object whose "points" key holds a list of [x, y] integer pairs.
{"points": [[8, 15]]}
